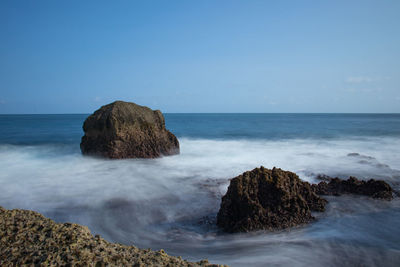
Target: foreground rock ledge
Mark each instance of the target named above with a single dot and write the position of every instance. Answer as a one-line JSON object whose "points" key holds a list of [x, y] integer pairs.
{"points": [[29, 238], [264, 199], [126, 130]]}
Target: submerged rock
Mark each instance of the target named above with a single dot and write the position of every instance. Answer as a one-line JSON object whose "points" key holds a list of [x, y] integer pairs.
{"points": [[373, 188], [267, 199], [28, 238], [126, 130]]}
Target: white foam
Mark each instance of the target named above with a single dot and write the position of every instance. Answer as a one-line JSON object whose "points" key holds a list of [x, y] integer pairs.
{"points": [[146, 201]]}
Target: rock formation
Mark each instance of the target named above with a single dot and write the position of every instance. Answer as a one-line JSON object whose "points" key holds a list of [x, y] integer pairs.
{"points": [[126, 130], [27, 238], [267, 199], [373, 188]]}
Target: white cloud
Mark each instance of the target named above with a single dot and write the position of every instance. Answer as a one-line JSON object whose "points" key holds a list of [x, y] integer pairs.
{"points": [[359, 79], [365, 89], [365, 79], [273, 103], [270, 102], [97, 99], [366, 84]]}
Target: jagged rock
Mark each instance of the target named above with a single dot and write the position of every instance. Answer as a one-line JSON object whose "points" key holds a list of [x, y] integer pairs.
{"points": [[267, 199], [126, 130], [27, 238], [373, 188]]}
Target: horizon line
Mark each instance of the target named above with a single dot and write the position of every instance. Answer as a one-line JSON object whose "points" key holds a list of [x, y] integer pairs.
{"points": [[215, 113]]}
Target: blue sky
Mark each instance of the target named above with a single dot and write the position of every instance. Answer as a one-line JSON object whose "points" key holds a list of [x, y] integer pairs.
{"points": [[200, 56]]}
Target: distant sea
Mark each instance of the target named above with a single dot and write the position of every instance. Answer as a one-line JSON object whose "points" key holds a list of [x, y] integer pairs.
{"points": [[171, 202]]}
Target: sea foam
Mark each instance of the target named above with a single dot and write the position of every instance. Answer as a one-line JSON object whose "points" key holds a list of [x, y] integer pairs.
{"points": [[171, 202]]}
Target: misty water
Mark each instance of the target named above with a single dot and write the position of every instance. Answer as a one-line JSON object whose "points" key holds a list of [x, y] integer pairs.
{"points": [[171, 202]]}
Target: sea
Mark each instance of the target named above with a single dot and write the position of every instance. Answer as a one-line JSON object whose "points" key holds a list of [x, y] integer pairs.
{"points": [[171, 202]]}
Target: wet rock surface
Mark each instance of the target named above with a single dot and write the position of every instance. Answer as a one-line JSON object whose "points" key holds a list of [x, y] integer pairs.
{"points": [[264, 199], [372, 188], [28, 238], [126, 130]]}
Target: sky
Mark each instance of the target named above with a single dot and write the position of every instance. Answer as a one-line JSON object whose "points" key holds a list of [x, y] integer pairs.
{"points": [[200, 56]]}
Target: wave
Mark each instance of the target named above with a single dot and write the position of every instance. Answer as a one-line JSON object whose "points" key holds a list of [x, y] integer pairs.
{"points": [[171, 202]]}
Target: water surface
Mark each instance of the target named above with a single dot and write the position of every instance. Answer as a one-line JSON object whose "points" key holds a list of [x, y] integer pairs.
{"points": [[171, 202]]}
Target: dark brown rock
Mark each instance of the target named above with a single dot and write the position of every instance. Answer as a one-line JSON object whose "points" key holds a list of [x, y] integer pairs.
{"points": [[373, 188], [126, 130], [28, 238], [267, 199]]}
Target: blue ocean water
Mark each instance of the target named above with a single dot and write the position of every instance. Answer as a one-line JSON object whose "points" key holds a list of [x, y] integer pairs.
{"points": [[67, 128], [171, 202]]}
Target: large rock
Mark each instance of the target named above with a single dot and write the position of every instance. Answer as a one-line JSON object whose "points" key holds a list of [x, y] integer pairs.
{"points": [[372, 188], [28, 238], [267, 199], [126, 130]]}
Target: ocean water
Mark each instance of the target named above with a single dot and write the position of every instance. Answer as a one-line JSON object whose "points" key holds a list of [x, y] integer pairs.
{"points": [[171, 202]]}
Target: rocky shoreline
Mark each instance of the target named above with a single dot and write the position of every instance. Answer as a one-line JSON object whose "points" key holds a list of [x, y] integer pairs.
{"points": [[264, 199], [335, 187], [274, 199], [260, 199], [27, 238]]}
